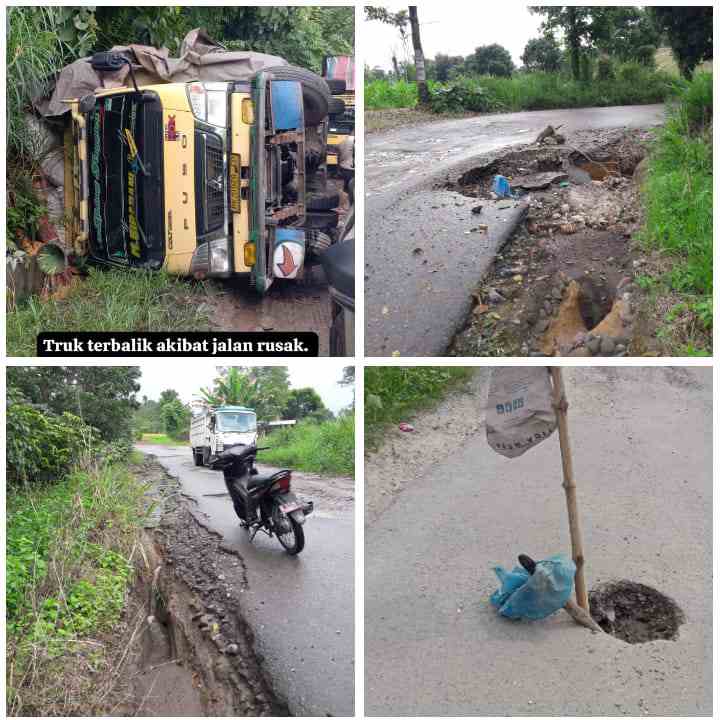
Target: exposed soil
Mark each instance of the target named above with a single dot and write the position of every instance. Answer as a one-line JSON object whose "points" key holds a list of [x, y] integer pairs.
{"points": [[186, 649], [438, 432], [391, 118], [635, 613], [564, 283]]}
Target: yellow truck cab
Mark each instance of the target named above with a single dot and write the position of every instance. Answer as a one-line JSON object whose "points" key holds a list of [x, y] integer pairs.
{"points": [[200, 178], [339, 72]]}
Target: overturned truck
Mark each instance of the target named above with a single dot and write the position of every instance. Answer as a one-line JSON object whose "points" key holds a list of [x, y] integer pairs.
{"points": [[212, 164]]}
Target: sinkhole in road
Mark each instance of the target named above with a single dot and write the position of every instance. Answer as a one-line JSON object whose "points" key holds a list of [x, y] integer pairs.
{"points": [[635, 613]]}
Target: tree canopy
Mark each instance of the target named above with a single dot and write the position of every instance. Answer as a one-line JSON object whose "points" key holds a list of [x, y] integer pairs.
{"points": [[542, 54], [491, 60], [104, 397], [689, 29]]}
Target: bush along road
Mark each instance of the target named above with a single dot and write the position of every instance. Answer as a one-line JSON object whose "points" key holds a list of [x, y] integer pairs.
{"points": [[296, 612]]}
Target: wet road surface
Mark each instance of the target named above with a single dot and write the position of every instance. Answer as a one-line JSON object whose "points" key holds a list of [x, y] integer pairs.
{"points": [[411, 304], [642, 452], [299, 608]]}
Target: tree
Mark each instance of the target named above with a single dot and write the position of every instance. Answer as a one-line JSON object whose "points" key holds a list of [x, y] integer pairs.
{"points": [[491, 60], [444, 66], [168, 395], [420, 76], [400, 20], [104, 397], [689, 31], [232, 387], [305, 403], [542, 54], [629, 33], [176, 419], [272, 386], [264, 389], [582, 25]]}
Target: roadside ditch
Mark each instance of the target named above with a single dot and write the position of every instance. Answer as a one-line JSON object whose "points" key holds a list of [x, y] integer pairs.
{"points": [[187, 650]]}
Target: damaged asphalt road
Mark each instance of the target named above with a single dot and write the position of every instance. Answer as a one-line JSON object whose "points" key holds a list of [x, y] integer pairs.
{"points": [[300, 609], [642, 455], [423, 252]]}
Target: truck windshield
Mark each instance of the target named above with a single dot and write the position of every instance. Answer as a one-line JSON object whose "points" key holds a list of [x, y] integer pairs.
{"points": [[236, 422], [125, 203]]}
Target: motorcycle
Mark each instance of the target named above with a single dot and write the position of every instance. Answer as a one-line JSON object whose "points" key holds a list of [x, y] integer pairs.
{"points": [[339, 265], [264, 503]]}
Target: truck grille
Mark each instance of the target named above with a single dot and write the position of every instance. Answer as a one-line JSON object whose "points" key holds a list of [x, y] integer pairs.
{"points": [[209, 183]]}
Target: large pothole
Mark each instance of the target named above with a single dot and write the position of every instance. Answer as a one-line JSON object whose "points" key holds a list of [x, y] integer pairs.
{"points": [[635, 613], [564, 282]]}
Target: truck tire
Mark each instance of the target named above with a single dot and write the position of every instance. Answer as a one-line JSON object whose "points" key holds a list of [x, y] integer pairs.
{"points": [[336, 106], [337, 87], [316, 94], [322, 201]]}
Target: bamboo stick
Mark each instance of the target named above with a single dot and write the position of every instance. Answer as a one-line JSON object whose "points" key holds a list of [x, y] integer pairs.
{"points": [[561, 407]]}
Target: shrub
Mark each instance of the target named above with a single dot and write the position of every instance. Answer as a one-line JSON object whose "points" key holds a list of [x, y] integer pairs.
{"points": [[42, 446]]}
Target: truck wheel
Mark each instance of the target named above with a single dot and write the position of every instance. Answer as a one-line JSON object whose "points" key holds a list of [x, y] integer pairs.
{"points": [[316, 94], [322, 201], [337, 87], [336, 106]]}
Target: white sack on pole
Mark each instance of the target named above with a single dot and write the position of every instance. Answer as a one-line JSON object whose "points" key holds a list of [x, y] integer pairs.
{"points": [[519, 413]]}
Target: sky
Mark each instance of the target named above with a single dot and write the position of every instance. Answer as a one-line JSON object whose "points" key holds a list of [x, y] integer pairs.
{"points": [[188, 376], [454, 28]]}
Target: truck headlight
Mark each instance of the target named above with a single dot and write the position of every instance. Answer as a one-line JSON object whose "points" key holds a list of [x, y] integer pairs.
{"points": [[219, 256], [209, 102]]}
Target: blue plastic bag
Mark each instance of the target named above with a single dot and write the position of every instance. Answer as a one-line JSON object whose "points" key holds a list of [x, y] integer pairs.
{"points": [[535, 596], [501, 187]]}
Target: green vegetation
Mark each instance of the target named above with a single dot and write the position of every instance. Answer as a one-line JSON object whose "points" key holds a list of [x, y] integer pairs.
{"points": [[162, 439], [678, 197], [326, 448], [74, 511], [394, 394], [632, 84], [40, 42], [108, 301]]}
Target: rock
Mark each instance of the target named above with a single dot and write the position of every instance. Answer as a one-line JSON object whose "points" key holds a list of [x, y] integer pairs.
{"points": [[593, 345], [232, 649], [494, 297], [557, 293], [476, 210], [53, 167], [547, 306], [607, 346], [580, 352], [537, 181], [620, 348], [564, 208]]}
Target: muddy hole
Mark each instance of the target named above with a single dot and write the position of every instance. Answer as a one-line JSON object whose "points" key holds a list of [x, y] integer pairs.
{"points": [[635, 613], [595, 302]]}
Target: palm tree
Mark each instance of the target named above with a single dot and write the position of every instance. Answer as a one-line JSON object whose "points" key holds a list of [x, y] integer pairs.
{"points": [[234, 388]]}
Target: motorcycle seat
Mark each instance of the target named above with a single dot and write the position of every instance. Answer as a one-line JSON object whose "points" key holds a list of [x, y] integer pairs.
{"points": [[338, 263], [256, 481]]}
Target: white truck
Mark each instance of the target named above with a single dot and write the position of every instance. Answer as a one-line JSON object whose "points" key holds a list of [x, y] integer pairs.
{"points": [[212, 429]]}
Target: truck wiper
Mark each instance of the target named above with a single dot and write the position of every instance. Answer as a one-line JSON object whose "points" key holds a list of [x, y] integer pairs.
{"points": [[136, 163]]}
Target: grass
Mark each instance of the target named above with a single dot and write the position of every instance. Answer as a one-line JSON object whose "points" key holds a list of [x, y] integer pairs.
{"points": [[161, 439], [632, 85], [70, 548], [678, 195], [327, 448], [111, 301], [394, 394]]}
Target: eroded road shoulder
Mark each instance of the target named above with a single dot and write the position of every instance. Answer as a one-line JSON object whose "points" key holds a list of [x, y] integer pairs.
{"points": [[298, 610]]}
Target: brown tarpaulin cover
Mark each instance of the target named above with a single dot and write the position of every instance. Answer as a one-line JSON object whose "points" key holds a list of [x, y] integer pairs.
{"points": [[201, 58]]}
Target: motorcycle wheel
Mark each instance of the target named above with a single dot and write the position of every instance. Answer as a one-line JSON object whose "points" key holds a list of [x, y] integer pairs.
{"points": [[293, 539]]}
